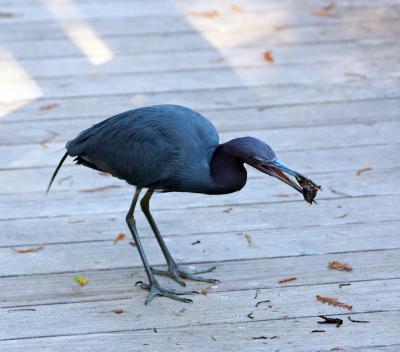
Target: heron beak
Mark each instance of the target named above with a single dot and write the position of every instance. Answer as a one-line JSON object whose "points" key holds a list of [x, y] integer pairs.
{"points": [[282, 172]]}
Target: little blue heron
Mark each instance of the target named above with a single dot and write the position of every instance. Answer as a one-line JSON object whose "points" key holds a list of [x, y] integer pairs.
{"points": [[172, 148]]}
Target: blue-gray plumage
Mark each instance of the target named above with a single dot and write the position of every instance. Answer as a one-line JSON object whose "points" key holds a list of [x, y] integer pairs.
{"points": [[172, 148]]}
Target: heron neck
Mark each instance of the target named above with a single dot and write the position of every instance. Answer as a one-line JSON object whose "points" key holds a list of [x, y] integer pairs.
{"points": [[228, 172]]}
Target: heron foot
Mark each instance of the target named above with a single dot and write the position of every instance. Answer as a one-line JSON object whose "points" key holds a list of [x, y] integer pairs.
{"points": [[157, 290], [176, 273]]}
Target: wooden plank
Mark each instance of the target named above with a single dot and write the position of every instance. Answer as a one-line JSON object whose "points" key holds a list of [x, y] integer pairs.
{"points": [[54, 18], [229, 307], [265, 98], [352, 158], [33, 13], [366, 131], [295, 216], [115, 284], [292, 334], [112, 193], [211, 59], [300, 74], [193, 40]]}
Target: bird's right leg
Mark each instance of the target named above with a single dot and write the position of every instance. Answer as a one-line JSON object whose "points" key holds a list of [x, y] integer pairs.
{"points": [[153, 286], [174, 271]]}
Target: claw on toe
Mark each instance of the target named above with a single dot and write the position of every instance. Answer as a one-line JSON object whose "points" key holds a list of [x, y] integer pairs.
{"points": [[156, 290]]}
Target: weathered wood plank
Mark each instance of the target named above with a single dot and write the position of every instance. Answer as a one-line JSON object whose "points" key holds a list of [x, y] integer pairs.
{"points": [[291, 334], [286, 138], [259, 189], [294, 216], [300, 74], [193, 40], [33, 13], [265, 98], [54, 18], [115, 283], [230, 307], [211, 59]]}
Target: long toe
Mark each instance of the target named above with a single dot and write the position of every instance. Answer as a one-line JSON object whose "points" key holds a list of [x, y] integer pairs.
{"points": [[197, 271], [198, 278], [157, 290], [173, 274]]}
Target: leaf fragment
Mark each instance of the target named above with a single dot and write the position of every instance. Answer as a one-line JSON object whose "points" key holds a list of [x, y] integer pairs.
{"points": [[119, 237], [335, 265], [28, 250], [333, 301], [288, 279], [268, 56], [361, 171]]}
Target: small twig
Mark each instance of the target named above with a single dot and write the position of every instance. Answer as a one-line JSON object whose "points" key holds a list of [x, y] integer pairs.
{"points": [[266, 301], [357, 321]]}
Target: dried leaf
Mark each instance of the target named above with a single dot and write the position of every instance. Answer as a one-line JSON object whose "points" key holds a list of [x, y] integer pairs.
{"points": [[81, 280], [268, 56], [208, 14], [227, 210], [333, 301], [361, 171], [325, 10], [120, 237], [118, 311], [99, 189], [236, 8], [28, 250], [284, 281], [49, 106]]}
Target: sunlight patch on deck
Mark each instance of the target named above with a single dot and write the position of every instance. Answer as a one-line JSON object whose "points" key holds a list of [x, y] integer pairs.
{"points": [[17, 87], [80, 32]]}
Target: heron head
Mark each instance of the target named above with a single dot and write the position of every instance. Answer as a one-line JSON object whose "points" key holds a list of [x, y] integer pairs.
{"points": [[260, 155]]}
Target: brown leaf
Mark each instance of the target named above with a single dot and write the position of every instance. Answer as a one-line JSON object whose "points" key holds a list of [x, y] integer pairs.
{"points": [[340, 266], [227, 210], [49, 106], [361, 171], [118, 311], [28, 250], [208, 14], [325, 10], [333, 301], [120, 237], [288, 279], [236, 8], [268, 56], [99, 189]]}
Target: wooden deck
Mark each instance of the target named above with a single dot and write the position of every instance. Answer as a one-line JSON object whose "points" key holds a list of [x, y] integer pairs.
{"points": [[328, 103]]}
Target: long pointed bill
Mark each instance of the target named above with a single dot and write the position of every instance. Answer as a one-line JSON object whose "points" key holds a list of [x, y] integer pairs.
{"points": [[300, 183]]}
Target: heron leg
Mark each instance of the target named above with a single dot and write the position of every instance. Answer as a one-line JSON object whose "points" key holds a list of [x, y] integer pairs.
{"points": [[153, 286], [174, 271]]}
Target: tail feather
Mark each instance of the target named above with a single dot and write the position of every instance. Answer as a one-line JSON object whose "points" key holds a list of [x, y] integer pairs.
{"points": [[56, 171]]}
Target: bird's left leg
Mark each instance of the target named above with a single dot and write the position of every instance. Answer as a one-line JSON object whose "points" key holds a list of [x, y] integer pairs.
{"points": [[174, 271]]}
